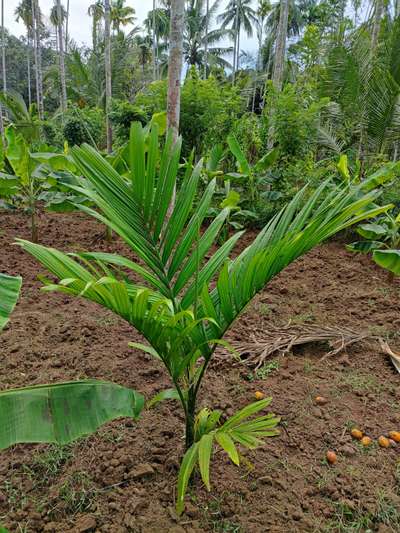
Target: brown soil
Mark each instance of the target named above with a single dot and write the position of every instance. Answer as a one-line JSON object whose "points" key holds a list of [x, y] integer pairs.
{"points": [[123, 478]]}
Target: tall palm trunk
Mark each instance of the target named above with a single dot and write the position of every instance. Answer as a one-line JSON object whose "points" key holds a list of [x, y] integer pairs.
{"points": [[258, 65], [3, 48], [238, 48], [376, 24], [235, 42], [154, 42], [280, 48], [3, 62], [206, 37], [28, 59], [107, 38], [61, 58], [38, 58], [66, 28], [175, 64]]}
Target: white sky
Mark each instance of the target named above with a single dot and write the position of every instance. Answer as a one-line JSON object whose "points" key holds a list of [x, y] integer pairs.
{"points": [[80, 22]]}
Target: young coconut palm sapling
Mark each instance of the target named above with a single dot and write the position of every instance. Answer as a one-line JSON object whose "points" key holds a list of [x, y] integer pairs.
{"points": [[188, 296]]}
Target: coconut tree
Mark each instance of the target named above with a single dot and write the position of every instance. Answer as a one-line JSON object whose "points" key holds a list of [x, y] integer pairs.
{"points": [[24, 12], [121, 15], [238, 14], [366, 90], [280, 47], [57, 17]]}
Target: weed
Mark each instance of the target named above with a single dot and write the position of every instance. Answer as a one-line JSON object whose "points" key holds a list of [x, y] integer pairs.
{"points": [[355, 520], [326, 478], [48, 465], [107, 320], [76, 494], [16, 497], [308, 367], [264, 371], [215, 520], [303, 317], [264, 309], [361, 382]]}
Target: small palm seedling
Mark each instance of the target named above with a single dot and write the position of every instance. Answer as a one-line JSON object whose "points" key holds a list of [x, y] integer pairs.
{"points": [[187, 298], [382, 238]]}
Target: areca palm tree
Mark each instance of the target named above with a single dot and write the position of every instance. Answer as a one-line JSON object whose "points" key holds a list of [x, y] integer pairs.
{"points": [[96, 11], [107, 61], [175, 65], [199, 44], [37, 28], [3, 48], [58, 16], [144, 45], [24, 12], [179, 293], [238, 14], [157, 25]]}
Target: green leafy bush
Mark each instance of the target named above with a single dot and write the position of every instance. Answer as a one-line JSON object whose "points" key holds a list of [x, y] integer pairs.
{"points": [[84, 126], [122, 115], [294, 120]]}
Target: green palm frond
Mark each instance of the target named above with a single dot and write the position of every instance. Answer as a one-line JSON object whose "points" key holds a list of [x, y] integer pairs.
{"points": [[178, 266]]}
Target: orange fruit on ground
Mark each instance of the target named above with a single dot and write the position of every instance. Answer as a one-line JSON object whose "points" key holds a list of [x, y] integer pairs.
{"points": [[395, 435], [320, 400], [331, 457], [258, 395], [366, 441], [357, 433], [383, 442]]}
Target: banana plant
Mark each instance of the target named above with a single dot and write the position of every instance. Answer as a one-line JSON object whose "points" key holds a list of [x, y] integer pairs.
{"points": [[251, 176], [27, 178], [9, 292], [174, 289], [33, 414], [382, 238]]}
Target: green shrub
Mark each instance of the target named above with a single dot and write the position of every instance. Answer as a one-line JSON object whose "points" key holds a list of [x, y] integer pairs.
{"points": [[294, 117], [85, 125], [122, 115]]}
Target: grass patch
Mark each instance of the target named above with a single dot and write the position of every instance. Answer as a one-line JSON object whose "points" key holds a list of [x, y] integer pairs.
{"points": [[360, 382], [264, 371], [349, 520]]}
